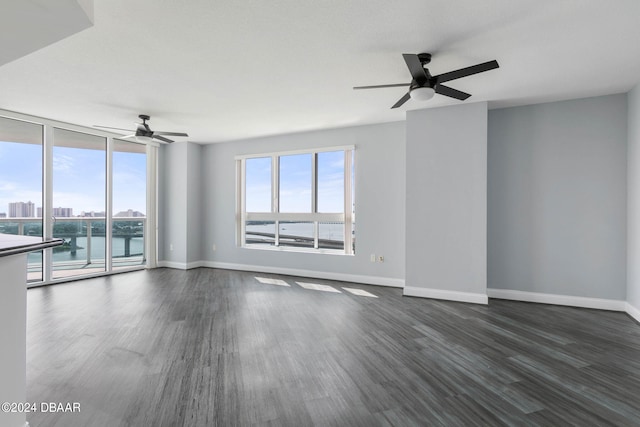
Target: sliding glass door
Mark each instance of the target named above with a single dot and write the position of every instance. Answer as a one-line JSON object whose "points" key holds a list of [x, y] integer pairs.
{"points": [[79, 202], [129, 208], [21, 184], [90, 190]]}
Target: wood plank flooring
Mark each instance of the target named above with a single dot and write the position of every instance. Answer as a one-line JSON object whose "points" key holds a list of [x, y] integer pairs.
{"points": [[210, 347]]}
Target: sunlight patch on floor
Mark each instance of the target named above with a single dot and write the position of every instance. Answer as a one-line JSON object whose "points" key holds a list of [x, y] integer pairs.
{"points": [[360, 292], [317, 287], [270, 281]]}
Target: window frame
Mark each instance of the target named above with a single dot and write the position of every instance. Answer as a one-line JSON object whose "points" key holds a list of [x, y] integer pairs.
{"points": [[346, 216], [48, 142]]}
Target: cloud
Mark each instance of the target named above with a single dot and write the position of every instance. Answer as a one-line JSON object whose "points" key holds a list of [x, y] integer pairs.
{"points": [[10, 193], [129, 178], [79, 201], [6, 186], [337, 164], [62, 163]]}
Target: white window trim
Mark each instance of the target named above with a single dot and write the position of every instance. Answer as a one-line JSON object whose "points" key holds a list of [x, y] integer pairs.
{"points": [[346, 217], [292, 152]]}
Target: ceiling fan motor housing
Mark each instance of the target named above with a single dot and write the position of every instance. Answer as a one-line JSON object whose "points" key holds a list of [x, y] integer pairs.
{"points": [[424, 58], [143, 128]]}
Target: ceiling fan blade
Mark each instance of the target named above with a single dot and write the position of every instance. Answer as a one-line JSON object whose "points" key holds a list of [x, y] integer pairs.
{"points": [[379, 86], [415, 68], [402, 100], [109, 127], [464, 72], [127, 136], [451, 92], [161, 138], [170, 133]]}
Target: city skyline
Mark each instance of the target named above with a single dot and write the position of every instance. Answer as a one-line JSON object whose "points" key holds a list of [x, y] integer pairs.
{"points": [[62, 212], [79, 178]]}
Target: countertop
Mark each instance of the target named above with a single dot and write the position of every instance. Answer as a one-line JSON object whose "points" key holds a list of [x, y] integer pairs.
{"points": [[11, 244]]}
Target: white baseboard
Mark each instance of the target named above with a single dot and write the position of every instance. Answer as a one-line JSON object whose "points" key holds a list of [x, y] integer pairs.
{"points": [[567, 300], [195, 264], [355, 278], [633, 312], [181, 265], [172, 264], [414, 291]]}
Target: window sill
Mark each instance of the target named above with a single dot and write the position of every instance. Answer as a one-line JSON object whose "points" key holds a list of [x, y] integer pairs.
{"points": [[296, 250]]}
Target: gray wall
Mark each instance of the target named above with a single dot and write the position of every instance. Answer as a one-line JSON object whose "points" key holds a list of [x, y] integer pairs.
{"points": [[379, 199], [194, 222], [447, 203], [172, 203], [557, 198], [555, 208], [633, 202]]}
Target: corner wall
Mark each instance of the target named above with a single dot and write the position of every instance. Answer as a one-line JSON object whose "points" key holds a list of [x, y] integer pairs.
{"points": [[557, 202], [633, 204], [195, 218], [379, 201], [446, 226], [179, 205]]}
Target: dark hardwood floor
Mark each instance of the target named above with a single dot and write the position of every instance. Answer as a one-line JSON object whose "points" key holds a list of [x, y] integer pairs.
{"points": [[209, 347]]}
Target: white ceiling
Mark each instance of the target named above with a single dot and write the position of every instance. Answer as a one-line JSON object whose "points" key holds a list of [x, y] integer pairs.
{"points": [[226, 69]]}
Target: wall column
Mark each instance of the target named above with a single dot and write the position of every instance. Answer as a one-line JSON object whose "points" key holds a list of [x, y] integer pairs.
{"points": [[446, 204]]}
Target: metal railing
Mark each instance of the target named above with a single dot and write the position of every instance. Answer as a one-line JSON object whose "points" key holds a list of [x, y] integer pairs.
{"points": [[81, 235]]}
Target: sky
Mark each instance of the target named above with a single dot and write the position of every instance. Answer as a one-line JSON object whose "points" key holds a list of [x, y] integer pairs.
{"points": [[295, 183], [79, 178]]}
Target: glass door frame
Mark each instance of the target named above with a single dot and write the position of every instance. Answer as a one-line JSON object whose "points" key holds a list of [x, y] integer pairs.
{"points": [[150, 227]]}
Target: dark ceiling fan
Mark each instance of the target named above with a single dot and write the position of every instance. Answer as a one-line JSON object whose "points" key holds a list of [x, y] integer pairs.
{"points": [[423, 85], [143, 130]]}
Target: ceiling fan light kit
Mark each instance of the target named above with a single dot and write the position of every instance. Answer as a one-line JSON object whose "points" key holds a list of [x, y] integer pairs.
{"points": [[424, 86], [422, 93]]}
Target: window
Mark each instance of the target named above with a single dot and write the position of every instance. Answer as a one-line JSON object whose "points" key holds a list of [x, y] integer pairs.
{"points": [[129, 204], [91, 190], [300, 201], [21, 153], [79, 186]]}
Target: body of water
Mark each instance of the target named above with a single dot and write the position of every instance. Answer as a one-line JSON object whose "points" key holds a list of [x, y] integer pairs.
{"points": [[97, 250], [296, 234], [331, 230]]}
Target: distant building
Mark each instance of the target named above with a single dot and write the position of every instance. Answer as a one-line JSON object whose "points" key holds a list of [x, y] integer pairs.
{"points": [[130, 213], [63, 212], [58, 212], [93, 214], [3, 215], [22, 210]]}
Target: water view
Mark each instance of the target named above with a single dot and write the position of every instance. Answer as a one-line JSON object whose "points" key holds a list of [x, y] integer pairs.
{"points": [[296, 234], [65, 255]]}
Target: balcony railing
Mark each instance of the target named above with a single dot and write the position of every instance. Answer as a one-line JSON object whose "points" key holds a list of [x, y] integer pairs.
{"points": [[85, 241]]}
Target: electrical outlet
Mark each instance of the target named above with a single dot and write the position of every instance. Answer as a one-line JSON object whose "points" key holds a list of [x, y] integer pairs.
{"points": [[170, 246], [214, 247], [373, 257], [380, 258]]}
